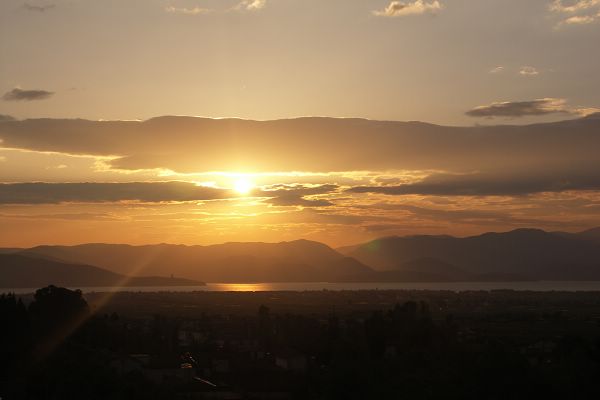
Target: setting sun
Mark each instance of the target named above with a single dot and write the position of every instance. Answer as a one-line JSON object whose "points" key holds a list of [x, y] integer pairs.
{"points": [[243, 185], [299, 199]]}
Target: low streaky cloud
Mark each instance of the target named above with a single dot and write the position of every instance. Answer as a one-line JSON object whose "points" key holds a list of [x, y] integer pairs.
{"points": [[68, 217], [494, 184], [582, 12], [470, 216], [246, 5], [316, 145], [528, 70], [516, 109], [586, 111], [497, 70], [18, 94], [581, 19], [187, 11], [38, 8], [295, 195], [577, 6], [401, 9], [100, 192], [285, 201], [250, 5]]}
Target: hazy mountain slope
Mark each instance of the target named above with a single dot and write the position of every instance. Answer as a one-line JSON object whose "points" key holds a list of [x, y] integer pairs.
{"points": [[527, 252], [17, 270], [590, 234], [299, 260], [519, 254], [9, 250], [434, 267]]}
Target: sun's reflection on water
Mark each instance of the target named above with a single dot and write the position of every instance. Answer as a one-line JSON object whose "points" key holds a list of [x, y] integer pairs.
{"points": [[243, 287]]}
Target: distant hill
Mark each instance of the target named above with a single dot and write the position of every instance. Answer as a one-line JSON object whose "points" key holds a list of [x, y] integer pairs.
{"points": [[296, 261], [590, 234], [20, 271], [433, 269], [9, 250], [425, 270], [524, 253]]}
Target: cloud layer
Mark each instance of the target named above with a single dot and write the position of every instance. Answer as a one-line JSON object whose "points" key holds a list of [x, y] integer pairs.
{"points": [[251, 5], [515, 109], [155, 192], [38, 7], [528, 70], [98, 192], [494, 184], [375, 161], [18, 94], [190, 145], [296, 195], [402, 9], [244, 5], [579, 12], [187, 11], [576, 6]]}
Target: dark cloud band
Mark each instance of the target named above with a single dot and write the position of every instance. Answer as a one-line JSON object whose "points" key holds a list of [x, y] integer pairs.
{"points": [[493, 185], [26, 95], [50, 193], [295, 195], [186, 144], [38, 8], [516, 109]]}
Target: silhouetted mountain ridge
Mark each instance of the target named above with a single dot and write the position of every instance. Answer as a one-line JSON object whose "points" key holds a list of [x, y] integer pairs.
{"points": [[18, 271], [298, 260], [521, 254], [591, 234], [528, 253]]}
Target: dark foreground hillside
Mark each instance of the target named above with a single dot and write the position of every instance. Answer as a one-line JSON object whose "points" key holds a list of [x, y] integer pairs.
{"points": [[301, 345]]}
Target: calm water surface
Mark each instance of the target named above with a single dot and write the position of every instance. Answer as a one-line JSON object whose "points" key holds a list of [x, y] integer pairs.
{"points": [[570, 286]]}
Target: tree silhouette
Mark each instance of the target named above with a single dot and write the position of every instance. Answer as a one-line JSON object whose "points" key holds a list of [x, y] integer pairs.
{"points": [[55, 314]]}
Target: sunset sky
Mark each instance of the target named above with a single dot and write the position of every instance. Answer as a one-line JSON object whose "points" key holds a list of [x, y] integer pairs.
{"points": [[147, 121]]}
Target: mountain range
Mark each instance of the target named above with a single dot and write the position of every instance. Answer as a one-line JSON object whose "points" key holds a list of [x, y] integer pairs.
{"points": [[522, 254], [529, 254], [299, 260], [18, 271]]}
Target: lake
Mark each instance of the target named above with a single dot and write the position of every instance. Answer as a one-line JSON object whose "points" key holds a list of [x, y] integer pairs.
{"points": [[570, 286]]}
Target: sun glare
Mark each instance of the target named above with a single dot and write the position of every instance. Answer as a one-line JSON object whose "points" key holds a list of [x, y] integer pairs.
{"points": [[243, 185]]}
